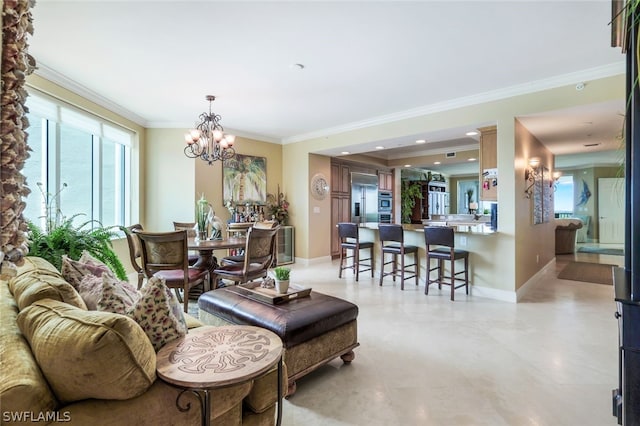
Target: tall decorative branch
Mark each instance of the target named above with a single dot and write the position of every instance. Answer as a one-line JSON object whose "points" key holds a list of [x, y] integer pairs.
{"points": [[16, 65]]}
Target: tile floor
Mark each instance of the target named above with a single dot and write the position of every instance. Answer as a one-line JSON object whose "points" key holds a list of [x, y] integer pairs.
{"points": [[424, 360]]}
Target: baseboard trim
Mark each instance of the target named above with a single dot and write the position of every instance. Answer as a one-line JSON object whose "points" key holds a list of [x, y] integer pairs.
{"points": [[530, 283]]}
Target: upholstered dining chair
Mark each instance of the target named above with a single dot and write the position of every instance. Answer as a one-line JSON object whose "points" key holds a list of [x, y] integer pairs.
{"points": [[135, 252], [267, 224], [190, 227], [259, 255], [164, 255], [440, 245]]}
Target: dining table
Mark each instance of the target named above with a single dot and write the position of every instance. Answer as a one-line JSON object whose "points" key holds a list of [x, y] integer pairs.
{"points": [[205, 249]]}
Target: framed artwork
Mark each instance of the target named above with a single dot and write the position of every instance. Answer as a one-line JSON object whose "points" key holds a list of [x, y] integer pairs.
{"points": [[542, 196], [244, 179]]}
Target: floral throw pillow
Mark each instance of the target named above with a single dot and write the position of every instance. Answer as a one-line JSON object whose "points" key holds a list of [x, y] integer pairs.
{"points": [[159, 313], [73, 271], [117, 296], [90, 290]]}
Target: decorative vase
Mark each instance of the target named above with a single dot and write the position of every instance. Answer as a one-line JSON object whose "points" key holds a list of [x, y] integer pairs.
{"points": [[282, 286], [202, 235]]}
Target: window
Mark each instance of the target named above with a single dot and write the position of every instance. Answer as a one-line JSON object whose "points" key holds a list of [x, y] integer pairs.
{"points": [[90, 155], [563, 197]]}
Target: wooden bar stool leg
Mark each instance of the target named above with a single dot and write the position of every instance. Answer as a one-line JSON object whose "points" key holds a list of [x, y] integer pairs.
{"points": [[381, 266], [426, 288], [453, 277], [371, 259], [416, 265], [402, 256], [356, 262], [466, 274], [341, 261], [395, 266], [440, 273]]}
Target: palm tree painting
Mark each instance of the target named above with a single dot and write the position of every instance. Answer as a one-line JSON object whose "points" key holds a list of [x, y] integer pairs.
{"points": [[244, 179]]}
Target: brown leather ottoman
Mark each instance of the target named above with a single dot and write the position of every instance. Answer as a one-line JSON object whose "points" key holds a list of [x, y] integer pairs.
{"points": [[314, 329]]}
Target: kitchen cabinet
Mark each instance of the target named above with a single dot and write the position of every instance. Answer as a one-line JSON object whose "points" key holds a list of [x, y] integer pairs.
{"points": [[488, 163], [340, 212], [385, 181], [340, 179]]}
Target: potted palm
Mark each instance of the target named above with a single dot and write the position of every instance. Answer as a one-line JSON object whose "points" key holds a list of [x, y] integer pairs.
{"points": [[281, 274]]}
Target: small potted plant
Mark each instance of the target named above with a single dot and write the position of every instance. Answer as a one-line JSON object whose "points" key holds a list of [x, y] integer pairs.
{"points": [[282, 278]]}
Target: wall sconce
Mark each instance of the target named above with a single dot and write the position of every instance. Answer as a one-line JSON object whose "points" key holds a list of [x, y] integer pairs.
{"points": [[531, 174], [554, 181]]}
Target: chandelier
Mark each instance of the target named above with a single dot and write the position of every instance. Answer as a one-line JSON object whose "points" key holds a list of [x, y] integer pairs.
{"points": [[208, 140]]}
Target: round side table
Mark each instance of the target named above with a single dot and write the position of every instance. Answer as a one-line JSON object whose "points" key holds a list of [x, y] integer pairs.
{"points": [[210, 357]]}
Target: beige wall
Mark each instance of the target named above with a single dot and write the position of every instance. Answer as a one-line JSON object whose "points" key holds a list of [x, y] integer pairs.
{"points": [[505, 261], [496, 263], [535, 244]]}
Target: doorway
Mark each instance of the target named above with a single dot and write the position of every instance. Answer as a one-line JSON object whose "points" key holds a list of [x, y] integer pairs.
{"points": [[611, 199]]}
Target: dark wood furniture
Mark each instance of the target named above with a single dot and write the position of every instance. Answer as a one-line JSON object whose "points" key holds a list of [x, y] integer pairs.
{"points": [[164, 255], [190, 227], [259, 255], [442, 238], [392, 242], [205, 249], [135, 252], [350, 240]]}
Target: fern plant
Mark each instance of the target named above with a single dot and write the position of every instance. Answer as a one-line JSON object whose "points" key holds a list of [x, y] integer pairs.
{"points": [[65, 238], [61, 237]]}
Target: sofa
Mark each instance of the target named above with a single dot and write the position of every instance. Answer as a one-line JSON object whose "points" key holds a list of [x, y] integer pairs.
{"points": [[61, 362]]}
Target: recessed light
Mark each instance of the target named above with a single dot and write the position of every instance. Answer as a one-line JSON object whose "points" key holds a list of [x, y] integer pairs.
{"points": [[437, 162], [471, 133], [471, 159], [379, 147], [407, 165], [421, 141], [345, 152]]}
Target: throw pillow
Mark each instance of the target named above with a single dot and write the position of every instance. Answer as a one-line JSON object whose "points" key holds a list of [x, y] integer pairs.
{"points": [[42, 281], [116, 296], [88, 354], [90, 290], [159, 313], [74, 270]]}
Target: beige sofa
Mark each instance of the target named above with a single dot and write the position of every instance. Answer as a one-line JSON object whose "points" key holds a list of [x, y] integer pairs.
{"points": [[89, 367]]}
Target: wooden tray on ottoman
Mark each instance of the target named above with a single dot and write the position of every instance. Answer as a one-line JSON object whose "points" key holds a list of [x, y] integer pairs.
{"points": [[269, 295]]}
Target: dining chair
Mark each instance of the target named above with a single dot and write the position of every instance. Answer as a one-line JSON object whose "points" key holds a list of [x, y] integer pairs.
{"points": [[239, 258], [392, 242], [259, 255], [135, 252], [442, 238], [164, 255], [350, 240], [190, 227]]}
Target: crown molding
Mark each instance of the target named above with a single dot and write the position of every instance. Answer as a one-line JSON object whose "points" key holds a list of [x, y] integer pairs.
{"points": [[53, 76], [604, 71]]}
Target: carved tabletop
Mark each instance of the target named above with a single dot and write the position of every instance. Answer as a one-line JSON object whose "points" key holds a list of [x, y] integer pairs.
{"points": [[212, 357]]}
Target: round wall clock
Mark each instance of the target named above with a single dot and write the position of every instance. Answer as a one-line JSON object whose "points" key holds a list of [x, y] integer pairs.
{"points": [[319, 186]]}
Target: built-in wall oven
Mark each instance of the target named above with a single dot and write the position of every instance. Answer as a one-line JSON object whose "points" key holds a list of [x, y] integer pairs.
{"points": [[385, 206]]}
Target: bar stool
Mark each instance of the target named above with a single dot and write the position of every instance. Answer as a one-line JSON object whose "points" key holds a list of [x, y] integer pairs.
{"points": [[394, 234], [350, 240], [442, 237]]}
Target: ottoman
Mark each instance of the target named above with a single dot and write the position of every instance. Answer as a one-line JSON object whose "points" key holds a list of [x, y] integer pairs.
{"points": [[314, 329]]}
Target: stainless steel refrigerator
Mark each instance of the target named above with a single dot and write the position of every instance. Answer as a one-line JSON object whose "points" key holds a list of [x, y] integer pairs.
{"points": [[364, 198]]}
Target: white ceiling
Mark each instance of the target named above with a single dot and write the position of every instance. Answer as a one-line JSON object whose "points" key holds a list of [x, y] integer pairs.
{"points": [[364, 62]]}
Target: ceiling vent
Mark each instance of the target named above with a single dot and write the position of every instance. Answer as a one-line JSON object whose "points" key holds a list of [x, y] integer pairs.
{"points": [[450, 155]]}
